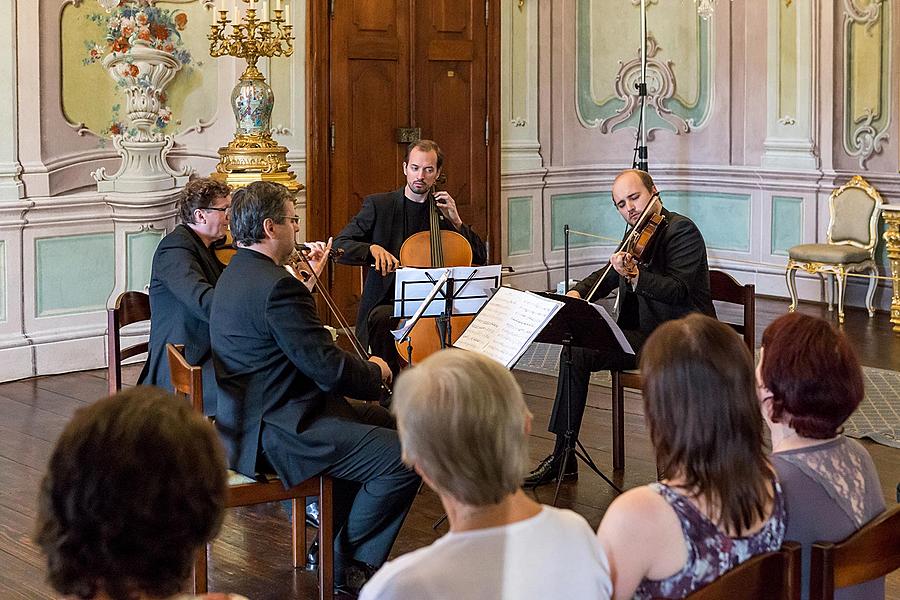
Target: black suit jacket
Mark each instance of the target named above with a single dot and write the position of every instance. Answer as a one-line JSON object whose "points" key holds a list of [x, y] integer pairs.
{"points": [[277, 366], [380, 221], [673, 283], [182, 283]]}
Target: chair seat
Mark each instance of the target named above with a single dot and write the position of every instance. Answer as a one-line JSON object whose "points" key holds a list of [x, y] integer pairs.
{"points": [[235, 478], [828, 253]]}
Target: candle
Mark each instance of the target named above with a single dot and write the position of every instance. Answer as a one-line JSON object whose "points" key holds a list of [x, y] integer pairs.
{"points": [[287, 14]]}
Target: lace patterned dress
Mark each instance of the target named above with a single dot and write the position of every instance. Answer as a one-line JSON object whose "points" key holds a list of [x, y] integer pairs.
{"points": [[831, 490], [710, 553]]}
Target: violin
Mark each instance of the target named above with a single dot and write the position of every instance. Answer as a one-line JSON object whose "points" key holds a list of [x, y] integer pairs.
{"points": [[435, 247], [637, 243]]}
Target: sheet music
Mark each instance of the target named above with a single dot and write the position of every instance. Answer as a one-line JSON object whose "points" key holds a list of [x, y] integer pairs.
{"points": [[620, 337], [401, 333], [472, 288], [507, 324]]}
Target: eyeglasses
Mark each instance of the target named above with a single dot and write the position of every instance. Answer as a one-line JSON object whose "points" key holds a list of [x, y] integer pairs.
{"points": [[291, 219], [225, 210]]}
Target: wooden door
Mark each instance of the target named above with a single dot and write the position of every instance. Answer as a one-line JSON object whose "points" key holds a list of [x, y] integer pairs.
{"points": [[395, 64]]}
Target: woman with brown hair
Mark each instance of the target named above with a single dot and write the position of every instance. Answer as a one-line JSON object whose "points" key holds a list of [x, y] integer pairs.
{"points": [[717, 502], [810, 382]]}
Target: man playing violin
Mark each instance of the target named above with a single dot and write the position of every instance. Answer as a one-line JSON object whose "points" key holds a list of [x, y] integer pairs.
{"points": [[374, 236], [283, 382], [670, 280], [182, 282]]}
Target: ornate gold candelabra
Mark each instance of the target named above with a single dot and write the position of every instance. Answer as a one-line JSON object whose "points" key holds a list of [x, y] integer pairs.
{"points": [[253, 155]]}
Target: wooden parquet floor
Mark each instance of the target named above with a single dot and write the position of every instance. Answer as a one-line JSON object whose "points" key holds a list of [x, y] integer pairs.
{"points": [[251, 556]]}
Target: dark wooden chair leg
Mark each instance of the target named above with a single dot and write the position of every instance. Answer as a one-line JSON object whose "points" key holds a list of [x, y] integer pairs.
{"points": [[618, 422], [298, 532], [199, 582], [326, 539]]}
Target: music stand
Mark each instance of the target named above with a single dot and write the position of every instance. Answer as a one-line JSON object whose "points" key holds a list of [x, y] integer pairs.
{"points": [[578, 323], [461, 290]]}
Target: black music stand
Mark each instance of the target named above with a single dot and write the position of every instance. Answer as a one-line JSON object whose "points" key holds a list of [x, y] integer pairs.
{"points": [[453, 290], [577, 323]]}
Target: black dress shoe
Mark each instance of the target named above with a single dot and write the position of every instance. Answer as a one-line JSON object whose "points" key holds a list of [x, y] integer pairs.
{"points": [[312, 514], [548, 471], [312, 557], [352, 578]]}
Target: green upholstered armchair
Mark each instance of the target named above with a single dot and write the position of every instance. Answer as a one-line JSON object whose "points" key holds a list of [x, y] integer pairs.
{"points": [[850, 248]]}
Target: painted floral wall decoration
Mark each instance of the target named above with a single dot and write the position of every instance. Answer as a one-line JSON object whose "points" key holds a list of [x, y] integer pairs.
{"points": [[130, 22]]}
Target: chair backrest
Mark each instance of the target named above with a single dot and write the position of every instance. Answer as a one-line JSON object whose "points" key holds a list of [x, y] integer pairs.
{"points": [[187, 380], [769, 576], [870, 553], [131, 307], [725, 288], [854, 209]]}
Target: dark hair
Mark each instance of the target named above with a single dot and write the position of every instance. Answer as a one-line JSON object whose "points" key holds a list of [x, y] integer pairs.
{"points": [[813, 374], [426, 146], [135, 486], [704, 417], [252, 205], [199, 193]]}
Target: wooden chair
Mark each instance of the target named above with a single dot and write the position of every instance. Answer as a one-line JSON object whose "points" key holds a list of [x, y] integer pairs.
{"points": [[243, 491], [131, 307], [769, 576], [724, 288], [870, 553]]}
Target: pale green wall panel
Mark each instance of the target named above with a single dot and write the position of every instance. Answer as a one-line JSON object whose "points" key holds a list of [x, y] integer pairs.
{"points": [[140, 247], [518, 226], [74, 274], [787, 223], [3, 287], [723, 219], [590, 212]]}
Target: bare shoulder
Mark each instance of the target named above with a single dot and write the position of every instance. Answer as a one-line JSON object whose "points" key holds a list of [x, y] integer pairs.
{"points": [[636, 511]]}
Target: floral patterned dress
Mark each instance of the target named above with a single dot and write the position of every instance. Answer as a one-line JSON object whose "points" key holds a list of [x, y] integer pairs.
{"points": [[710, 553]]}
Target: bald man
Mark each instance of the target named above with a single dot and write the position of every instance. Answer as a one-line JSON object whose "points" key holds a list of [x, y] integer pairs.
{"points": [[672, 282]]}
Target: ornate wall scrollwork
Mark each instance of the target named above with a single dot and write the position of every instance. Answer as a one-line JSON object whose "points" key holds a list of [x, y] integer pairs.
{"points": [[867, 95], [680, 65], [660, 89]]}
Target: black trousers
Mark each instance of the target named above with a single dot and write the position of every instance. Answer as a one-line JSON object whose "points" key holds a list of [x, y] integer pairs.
{"points": [[373, 489], [578, 378]]}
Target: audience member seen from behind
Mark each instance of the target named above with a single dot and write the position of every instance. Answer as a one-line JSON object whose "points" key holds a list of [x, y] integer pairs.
{"points": [[464, 428], [809, 382], [134, 489], [718, 502]]}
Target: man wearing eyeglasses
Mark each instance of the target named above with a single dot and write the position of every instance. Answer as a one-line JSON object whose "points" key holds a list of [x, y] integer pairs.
{"points": [[184, 275], [283, 385]]}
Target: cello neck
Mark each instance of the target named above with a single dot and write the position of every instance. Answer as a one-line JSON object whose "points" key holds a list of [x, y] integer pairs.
{"points": [[437, 250]]}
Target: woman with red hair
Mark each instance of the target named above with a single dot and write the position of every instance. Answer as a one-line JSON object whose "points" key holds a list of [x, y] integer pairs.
{"points": [[809, 382]]}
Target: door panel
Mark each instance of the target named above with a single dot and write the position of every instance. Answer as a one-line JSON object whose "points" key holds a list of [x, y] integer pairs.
{"points": [[395, 64]]}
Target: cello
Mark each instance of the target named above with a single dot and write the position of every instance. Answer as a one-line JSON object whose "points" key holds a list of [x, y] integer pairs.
{"points": [[435, 247]]}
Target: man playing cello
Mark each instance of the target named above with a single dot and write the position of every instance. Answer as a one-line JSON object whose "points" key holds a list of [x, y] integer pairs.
{"points": [[374, 236]]}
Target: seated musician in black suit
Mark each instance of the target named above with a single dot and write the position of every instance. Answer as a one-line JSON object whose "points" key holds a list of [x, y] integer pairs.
{"points": [[182, 282], [374, 236], [668, 284], [282, 383]]}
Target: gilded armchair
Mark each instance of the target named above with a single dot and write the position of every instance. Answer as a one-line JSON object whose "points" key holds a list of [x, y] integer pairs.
{"points": [[850, 248]]}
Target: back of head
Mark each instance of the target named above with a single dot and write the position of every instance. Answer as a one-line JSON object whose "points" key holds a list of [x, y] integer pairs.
{"points": [[252, 205], [135, 485], [704, 417], [813, 374], [461, 419]]}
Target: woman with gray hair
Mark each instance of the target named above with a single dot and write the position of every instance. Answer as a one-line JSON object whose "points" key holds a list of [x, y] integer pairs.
{"points": [[464, 428]]}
